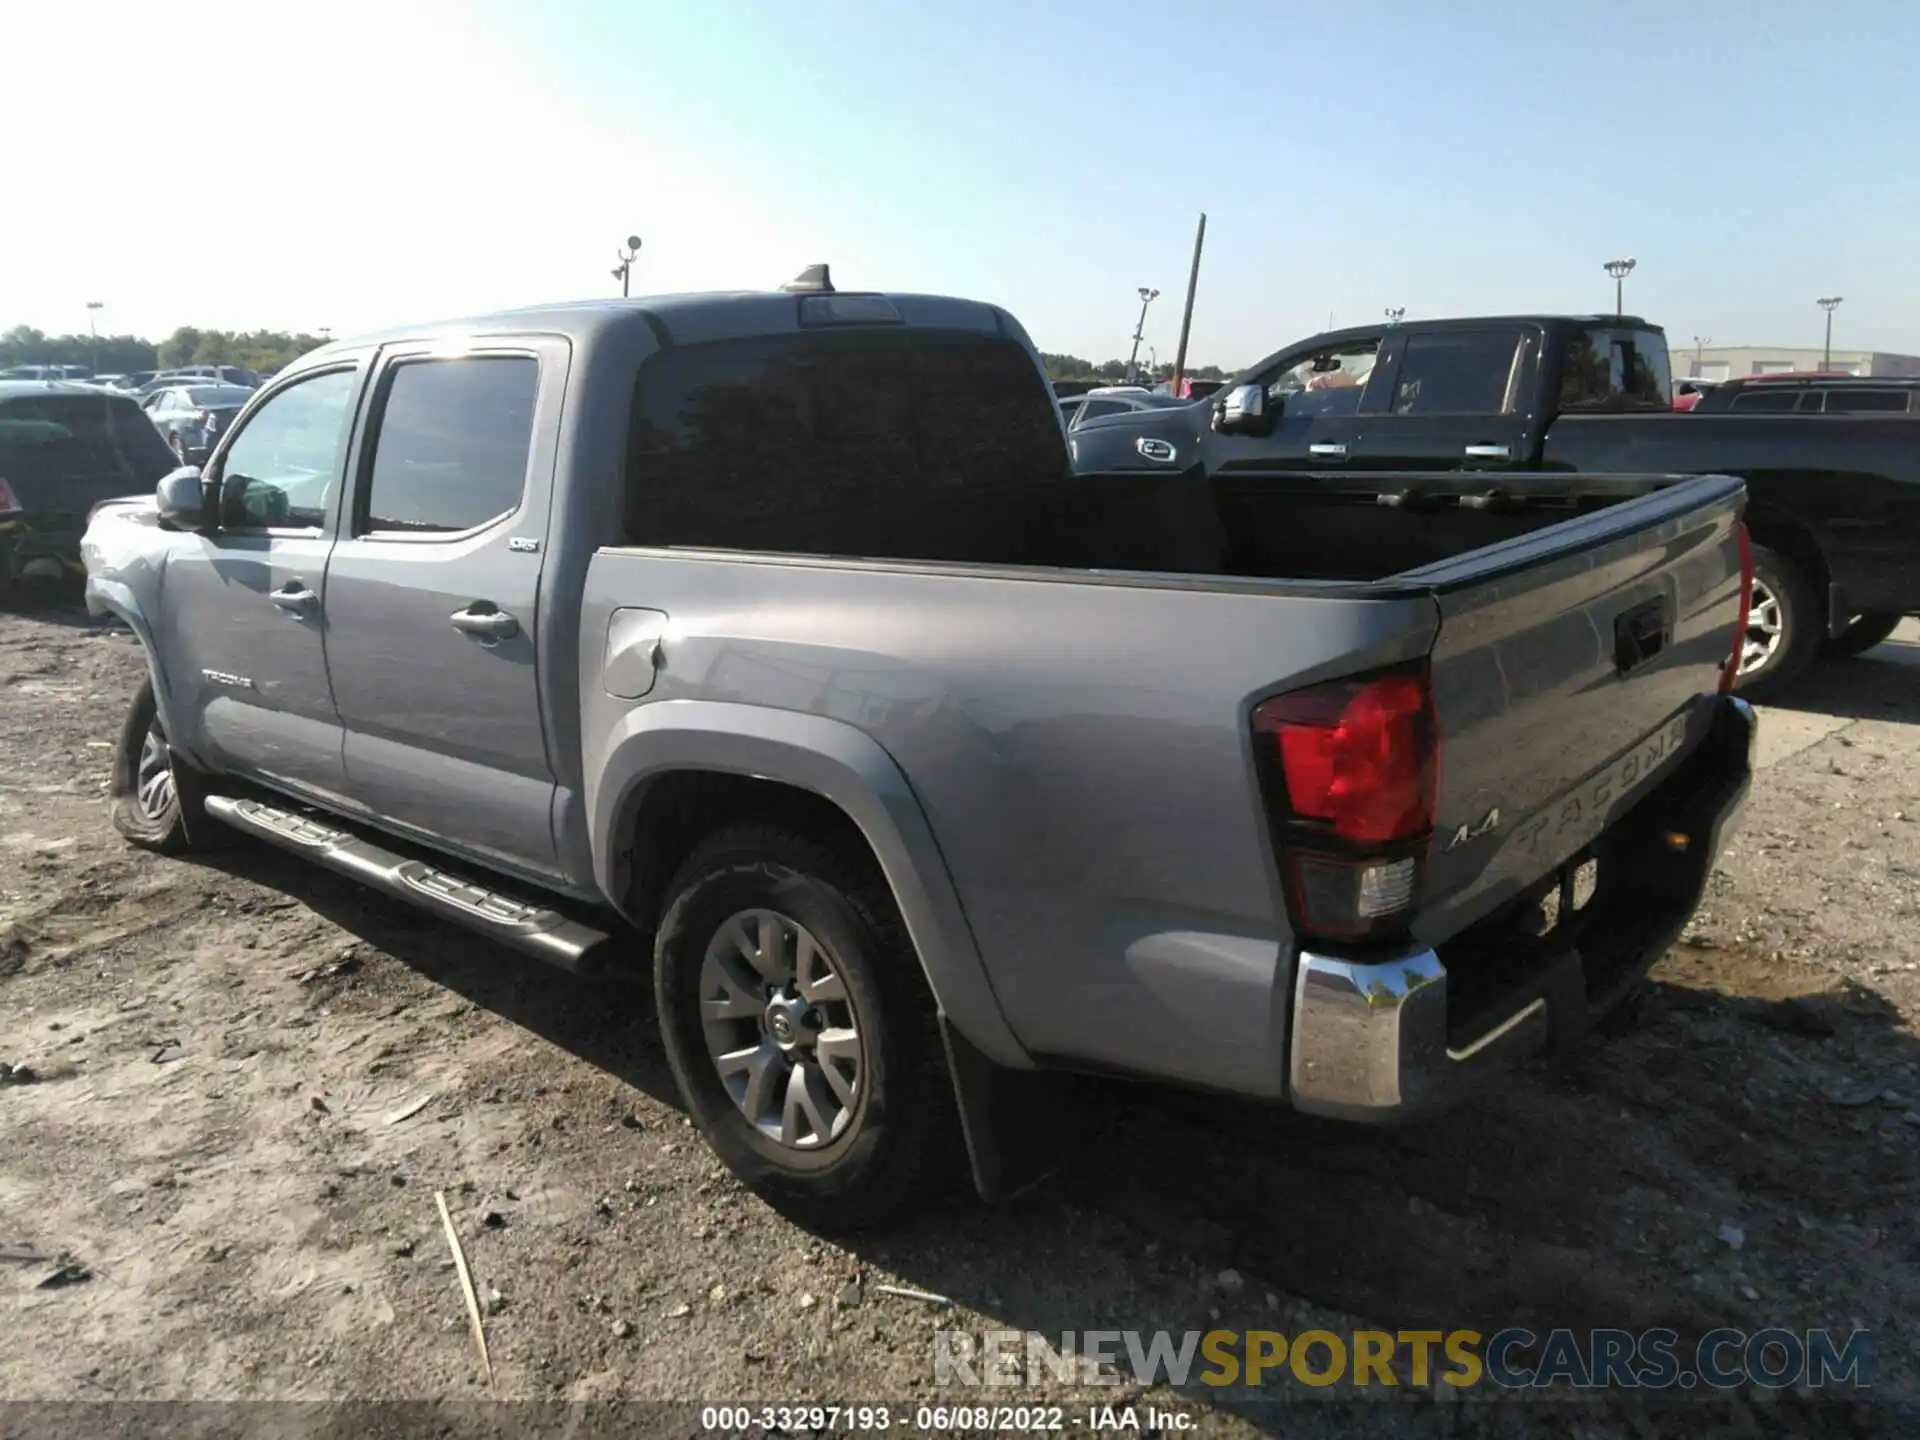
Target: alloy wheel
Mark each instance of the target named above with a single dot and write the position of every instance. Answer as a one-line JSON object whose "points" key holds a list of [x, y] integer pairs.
{"points": [[153, 788], [781, 1029], [1765, 629]]}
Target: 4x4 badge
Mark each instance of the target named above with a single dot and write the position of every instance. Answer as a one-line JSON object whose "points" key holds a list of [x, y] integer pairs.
{"points": [[1484, 825]]}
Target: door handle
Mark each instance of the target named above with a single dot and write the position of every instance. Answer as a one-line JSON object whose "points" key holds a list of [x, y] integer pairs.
{"points": [[1328, 450], [483, 617], [1489, 452], [295, 596]]}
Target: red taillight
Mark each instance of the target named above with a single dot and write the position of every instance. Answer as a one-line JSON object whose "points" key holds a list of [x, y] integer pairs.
{"points": [[1731, 671], [9, 502], [1357, 755], [1350, 770]]}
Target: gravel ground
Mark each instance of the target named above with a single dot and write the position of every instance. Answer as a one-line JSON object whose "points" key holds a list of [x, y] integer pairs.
{"points": [[247, 1080]]}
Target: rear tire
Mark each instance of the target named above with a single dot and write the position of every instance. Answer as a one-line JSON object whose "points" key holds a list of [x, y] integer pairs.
{"points": [[838, 1152], [1861, 636], [158, 800], [1783, 624]]}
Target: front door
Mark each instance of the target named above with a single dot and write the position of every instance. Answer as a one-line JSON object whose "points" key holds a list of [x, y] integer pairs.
{"points": [[433, 595], [244, 618], [1453, 400]]}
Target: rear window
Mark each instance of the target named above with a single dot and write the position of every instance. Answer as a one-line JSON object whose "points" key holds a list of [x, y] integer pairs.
{"points": [[83, 435], [219, 395], [1865, 401], [1616, 369], [904, 445]]}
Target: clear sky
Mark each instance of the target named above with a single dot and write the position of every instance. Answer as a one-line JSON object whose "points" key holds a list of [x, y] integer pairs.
{"points": [[351, 164]]}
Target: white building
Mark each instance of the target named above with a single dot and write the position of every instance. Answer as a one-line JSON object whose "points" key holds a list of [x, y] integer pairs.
{"points": [[1728, 362]]}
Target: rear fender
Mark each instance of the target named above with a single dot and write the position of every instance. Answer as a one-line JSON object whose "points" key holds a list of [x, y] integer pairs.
{"points": [[840, 764]]}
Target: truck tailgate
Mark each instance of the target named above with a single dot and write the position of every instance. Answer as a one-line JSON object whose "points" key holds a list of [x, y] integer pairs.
{"points": [[1570, 671]]}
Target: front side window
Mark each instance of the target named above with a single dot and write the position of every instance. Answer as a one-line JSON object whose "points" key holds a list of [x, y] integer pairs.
{"points": [[907, 445], [280, 469], [450, 451], [1773, 400], [1329, 382], [1460, 372]]}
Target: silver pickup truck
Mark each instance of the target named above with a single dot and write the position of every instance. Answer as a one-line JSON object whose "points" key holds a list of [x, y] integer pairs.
{"points": [[769, 637]]}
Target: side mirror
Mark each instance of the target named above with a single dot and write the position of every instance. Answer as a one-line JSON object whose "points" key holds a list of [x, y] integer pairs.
{"points": [[182, 500], [1243, 411]]}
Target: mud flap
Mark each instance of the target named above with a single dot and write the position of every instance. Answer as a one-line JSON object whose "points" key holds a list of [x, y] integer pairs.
{"points": [[1020, 1125]]}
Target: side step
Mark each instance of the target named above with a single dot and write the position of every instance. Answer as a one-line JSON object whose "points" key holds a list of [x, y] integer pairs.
{"points": [[544, 934]]}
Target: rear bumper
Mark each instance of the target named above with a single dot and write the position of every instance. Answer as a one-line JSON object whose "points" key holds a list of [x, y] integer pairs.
{"points": [[1378, 1041]]}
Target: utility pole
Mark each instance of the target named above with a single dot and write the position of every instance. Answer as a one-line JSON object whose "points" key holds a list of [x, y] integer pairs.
{"points": [[1147, 296], [93, 336], [1186, 316], [1700, 343], [1619, 270], [1829, 303], [1395, 314], [623, 272]]}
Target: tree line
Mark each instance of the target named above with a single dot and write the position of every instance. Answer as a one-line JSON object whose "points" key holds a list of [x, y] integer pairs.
{"points": [[188, 345], [1072, 367]]}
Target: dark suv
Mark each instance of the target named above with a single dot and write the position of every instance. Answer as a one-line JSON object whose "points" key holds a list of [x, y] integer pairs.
{"points": [[1813, 395]]}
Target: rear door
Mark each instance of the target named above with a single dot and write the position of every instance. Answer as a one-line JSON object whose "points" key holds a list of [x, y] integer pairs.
{"points": [[1454, 399], [433, 598]]}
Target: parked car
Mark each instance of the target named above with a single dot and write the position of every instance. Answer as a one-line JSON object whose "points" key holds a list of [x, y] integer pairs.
{"points": [[190, 418], [1815, 395], [200, 375], [776, 629], [63, 449], [134, 379], [1113, 401], [1835, 512]]}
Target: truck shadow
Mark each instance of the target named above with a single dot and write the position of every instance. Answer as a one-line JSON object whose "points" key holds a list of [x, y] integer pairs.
{"points": [[1590, 1194], [1883, 684]]}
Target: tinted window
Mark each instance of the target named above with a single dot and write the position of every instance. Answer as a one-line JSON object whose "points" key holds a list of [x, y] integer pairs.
{"points": [[1455, 374], [282, 466], [1616, 369], [1854, 401], [1773, 398], [74, 435], [452, 446], [905, 445]]}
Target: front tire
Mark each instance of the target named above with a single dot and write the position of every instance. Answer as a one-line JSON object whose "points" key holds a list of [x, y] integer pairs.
{"points": [[800, 1029], [157, 798], [1783, 624], [1862, 635]]}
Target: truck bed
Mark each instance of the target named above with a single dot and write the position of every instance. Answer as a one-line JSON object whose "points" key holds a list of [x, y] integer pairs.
{"points": [[1078, 735]]}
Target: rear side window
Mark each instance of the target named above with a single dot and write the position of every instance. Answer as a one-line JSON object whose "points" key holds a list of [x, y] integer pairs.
{"points": [[906, 445], [1460, 373], [1094, 409], [1611, 369], [1866, 401], [1773, 400], [451, 449]]}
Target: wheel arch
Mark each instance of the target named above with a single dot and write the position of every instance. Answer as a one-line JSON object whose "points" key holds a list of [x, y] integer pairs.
{"points": [[116, 598], [1797, 542], [672, 772]]}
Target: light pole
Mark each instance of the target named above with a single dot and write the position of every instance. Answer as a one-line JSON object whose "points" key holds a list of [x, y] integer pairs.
{"points": [[1395, 314], [1147, 296], [94, 307], [1700, 343], [623, 272], [1829, 303], [1619, 270]]}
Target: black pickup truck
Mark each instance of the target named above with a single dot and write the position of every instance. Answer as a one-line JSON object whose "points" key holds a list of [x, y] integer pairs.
{"points": [[1834, 499]]}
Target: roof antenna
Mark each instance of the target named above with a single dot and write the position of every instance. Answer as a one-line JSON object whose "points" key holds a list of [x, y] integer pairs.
{"points": [[814, 277]]}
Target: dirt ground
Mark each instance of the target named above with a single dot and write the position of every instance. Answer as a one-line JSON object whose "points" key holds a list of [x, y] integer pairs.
{"points": [[247, 1079]]}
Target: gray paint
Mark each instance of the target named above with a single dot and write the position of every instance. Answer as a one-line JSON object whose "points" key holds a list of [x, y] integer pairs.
{"points": [[1053, 768]]}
